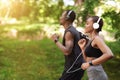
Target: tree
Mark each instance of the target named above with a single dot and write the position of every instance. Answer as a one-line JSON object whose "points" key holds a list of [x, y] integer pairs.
{"points": [[112, 17]]}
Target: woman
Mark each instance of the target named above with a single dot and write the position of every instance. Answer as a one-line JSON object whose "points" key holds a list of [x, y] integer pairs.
{"points": [[96, 51]]}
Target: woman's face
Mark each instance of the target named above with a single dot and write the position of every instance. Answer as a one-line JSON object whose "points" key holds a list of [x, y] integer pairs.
{"points": [[89, 25]]}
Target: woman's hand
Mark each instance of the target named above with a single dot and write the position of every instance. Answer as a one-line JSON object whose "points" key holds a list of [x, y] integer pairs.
{"points": [[85, 65], [82, 43]]}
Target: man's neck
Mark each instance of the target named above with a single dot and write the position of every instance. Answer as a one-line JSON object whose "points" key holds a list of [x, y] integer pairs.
{"points": [[67, 25]]}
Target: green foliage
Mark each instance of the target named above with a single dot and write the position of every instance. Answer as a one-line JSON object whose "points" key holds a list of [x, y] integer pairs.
{"points": [[46, 10], [113, 20], [117, 35], [87, 9], [115, 47], [112, 69], [21, 31], [112, 66], [34, 10]]}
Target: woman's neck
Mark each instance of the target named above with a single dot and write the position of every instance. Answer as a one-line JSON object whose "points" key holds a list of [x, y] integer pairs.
{"points": [[93, 34]]}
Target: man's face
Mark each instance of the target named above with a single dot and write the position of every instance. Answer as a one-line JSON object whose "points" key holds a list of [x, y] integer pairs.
{"points": [[63, 18]]}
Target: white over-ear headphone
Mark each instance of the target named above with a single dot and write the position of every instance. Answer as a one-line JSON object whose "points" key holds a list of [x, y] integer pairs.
{"points": [[68, 15], [96, 25]]}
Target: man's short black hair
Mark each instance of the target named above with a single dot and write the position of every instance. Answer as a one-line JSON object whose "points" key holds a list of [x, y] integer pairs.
{"points": [[72, 15]]}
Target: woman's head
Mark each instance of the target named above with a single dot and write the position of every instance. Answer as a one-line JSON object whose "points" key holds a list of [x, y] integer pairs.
{"points": [[91, 21]]}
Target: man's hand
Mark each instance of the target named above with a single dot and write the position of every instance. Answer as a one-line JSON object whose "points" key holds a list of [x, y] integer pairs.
{"points": [[54, 37]]}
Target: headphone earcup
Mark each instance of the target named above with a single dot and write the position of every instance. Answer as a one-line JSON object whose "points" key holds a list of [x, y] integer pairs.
{"points": [[66, 18], [95, 25]]}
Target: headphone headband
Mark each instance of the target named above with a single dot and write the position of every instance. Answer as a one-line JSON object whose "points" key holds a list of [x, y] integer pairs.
{"points": [[98, 20], [68, 15], [96, 24]]}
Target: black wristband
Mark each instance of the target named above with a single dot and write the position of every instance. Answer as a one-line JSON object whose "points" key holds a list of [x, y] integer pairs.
{"points": [[56, 40], [90, 63]]}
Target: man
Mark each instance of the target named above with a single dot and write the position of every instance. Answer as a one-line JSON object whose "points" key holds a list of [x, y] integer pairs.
{"points": [[70, 47]]}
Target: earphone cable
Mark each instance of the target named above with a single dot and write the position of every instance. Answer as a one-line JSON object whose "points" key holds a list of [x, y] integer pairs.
{"points": [[68, 71]]}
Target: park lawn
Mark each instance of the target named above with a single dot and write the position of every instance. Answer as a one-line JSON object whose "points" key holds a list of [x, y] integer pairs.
{"points": [[30, 60], [34, 59], [38, 60]]}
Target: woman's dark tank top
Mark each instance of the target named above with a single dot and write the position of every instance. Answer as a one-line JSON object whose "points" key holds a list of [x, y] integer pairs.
{"points": [[92, 52]]}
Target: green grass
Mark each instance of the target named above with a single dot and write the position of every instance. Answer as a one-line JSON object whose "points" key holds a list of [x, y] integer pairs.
{"points": [[30, 60], [112, 67], [40, 59]]}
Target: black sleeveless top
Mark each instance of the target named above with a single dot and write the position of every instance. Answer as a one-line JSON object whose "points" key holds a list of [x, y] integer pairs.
{"points": [[69, 59], [92, 52]]}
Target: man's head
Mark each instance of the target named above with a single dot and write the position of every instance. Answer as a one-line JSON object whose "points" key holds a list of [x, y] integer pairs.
{"points": [[67, 16]]}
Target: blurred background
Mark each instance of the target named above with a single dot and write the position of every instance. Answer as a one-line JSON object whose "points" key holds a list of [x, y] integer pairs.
{"points": [[26, 50]]}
